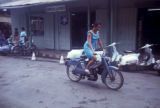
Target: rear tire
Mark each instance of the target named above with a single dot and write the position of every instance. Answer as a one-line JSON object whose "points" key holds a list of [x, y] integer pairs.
{"points": [[158, 73], [111, 80], [71, 76]]}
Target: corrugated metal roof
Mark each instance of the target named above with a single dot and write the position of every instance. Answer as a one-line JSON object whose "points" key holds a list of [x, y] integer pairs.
{"points": [[24, 3], [5, 1]]}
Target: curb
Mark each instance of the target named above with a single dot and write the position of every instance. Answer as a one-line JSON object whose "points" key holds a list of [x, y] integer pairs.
{"points": [[38, 59], [51, 56]]}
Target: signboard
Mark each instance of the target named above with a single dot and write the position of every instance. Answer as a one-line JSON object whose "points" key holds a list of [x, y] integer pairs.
{"points": [[64, 20], [59, 8]]}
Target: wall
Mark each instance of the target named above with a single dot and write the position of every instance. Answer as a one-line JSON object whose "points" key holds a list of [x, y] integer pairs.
{"points": [[102, 17], [62, 32], [123, 27], [49, 28], [57, 36], [47, 40], [126, 32], [18, 18]]}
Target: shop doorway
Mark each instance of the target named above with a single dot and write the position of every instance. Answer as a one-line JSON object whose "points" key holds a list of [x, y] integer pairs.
{"points": [[79, 28], [149, 29], [5, 23], [5, 28]]}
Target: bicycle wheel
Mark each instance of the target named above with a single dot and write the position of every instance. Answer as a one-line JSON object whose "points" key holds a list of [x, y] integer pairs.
{"points": [[113, 80], [16, 50], [71, 75]]}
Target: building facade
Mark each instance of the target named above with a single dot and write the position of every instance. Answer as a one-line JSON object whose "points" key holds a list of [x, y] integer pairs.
{"points": [[63, 25]]}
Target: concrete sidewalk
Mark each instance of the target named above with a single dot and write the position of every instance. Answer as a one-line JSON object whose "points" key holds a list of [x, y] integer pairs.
{"points": [[54, 54], [45, 55], [45, 59]]}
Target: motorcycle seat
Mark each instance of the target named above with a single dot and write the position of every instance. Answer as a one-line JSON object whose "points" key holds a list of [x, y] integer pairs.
{"points": [[83, 56], [127, 51]]}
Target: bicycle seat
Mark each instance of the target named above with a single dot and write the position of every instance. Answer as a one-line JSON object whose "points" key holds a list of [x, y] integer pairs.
{"points": [[94, 53]]}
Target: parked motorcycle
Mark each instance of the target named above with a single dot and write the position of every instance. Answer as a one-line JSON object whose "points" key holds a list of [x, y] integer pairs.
{"points": [[4, 47], [143, 59], [110, 75], [23, 50]]}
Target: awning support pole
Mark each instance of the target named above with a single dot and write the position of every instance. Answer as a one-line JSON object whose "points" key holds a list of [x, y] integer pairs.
{"points": [[88, 15]]}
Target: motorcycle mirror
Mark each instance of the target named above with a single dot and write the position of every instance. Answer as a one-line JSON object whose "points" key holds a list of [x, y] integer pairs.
{"points": [[113, 44], [146, 46]]}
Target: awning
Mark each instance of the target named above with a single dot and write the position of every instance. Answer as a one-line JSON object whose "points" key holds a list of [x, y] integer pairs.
{"points": [[26, 3]]}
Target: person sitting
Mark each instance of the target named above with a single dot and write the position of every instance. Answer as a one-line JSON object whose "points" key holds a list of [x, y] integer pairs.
{"points": [[89, 47], [16, 36]]}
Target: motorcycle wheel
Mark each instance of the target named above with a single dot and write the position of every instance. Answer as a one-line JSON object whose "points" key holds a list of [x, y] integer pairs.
{"points": [[113, 80], [73, 77]]}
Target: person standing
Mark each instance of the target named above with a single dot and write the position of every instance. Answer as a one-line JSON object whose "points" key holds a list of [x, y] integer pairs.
{"points": [[16, 36], [23, 36]]}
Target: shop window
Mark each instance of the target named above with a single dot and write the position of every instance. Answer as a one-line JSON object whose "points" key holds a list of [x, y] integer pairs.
{"points": [[37, 26]]}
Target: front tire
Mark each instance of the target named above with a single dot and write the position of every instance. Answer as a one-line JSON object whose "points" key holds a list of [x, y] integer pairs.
{"points": [[113, 81], [73, 77]]}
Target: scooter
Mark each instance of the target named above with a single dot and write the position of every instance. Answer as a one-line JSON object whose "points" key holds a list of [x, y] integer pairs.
{"points": [[110, 75], [143, 56], [143, 59], [116, 56]]}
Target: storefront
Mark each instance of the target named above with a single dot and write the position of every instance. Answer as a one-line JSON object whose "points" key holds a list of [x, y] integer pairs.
{"points": [[5, 23], [59, 25], [63, 25]]}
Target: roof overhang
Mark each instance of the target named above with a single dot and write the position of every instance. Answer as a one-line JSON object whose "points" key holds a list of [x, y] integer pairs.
{"points": [[27, 3]]}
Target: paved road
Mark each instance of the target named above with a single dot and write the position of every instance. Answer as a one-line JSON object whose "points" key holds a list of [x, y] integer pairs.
{"points": [[38, 84]]}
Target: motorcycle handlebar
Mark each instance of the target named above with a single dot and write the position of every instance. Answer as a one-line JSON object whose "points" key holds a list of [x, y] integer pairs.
{"points": [[112, 44]]}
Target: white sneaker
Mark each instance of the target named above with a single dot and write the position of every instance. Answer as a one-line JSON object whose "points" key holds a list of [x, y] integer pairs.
{"points": [[87, 71]]}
